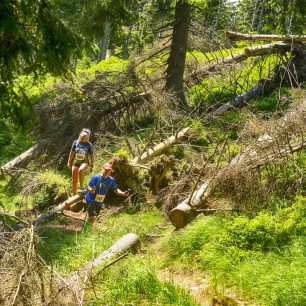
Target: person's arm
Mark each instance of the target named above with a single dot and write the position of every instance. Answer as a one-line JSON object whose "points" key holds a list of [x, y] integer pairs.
{"points": [[71, 154], [92, 184], [121, 193], [92, 162], [70, 158]]}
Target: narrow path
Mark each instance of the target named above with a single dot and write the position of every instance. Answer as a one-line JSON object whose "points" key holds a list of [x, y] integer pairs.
{"points": [[198, 285]]}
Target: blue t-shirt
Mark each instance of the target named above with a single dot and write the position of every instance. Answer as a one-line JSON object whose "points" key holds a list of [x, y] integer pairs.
{"points": [[102, 185], [82, 150]]}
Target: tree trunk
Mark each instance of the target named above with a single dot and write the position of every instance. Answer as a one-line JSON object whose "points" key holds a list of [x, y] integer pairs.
{"points": [[77, 280], [288, 38], [105, 41], [59, 208], [177, 58], [158, 149], [185, 212], [22, 158], [207, 69]]}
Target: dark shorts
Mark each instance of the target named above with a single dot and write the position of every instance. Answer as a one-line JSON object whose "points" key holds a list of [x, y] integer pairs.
{"points": [[93, 209], [78, 164]]}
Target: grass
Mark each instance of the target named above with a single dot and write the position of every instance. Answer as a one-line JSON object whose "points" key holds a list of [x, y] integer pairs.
{"points": [[76, 249], [134, 282], [263, 258]]}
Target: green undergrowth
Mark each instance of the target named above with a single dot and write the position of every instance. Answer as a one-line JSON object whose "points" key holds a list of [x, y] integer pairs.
{"points": [[75, 249], [221, 88], [134, 282], [262, 257], [13, 141]]}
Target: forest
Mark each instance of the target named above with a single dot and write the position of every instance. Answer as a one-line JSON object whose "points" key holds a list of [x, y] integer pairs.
{"points": [[153, 152]]}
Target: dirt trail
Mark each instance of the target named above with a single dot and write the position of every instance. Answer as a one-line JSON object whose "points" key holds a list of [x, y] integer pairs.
{"points": [[198, 285]]}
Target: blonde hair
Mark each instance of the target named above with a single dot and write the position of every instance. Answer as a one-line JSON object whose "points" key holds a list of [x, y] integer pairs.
{"points": [[84, 132]]}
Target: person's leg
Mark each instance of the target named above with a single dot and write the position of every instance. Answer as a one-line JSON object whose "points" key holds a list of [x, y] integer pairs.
{"points": [[75, 176], [93, 211], [82, 170]]}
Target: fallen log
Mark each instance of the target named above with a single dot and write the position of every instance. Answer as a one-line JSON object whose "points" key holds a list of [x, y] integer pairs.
{"points": [[187, 210], [264, 87], [78, 279], [234, 36], [22, 158], [239, 101], [207, 69], [72, 200], [279, 47], [158, 149]]}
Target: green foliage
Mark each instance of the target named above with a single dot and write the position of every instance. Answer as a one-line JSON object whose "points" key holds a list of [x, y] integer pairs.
{"points": [[13, 141], [43, 198], [278, 99], [112, 64], [267, 232], [261, 257], [33, 42], [53, 179], [135, 282], [9, 202], [75, 249]]}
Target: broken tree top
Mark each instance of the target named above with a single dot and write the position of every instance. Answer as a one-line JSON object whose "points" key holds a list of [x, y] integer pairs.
{"points": [[288, 38]]}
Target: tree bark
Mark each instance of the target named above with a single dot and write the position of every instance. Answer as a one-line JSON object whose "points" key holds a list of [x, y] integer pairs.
{"points": [[22, 158], [177, 58], [158, 149], [78, 279], [208, 69], [288, 38], [76, 198], [105, 41]]}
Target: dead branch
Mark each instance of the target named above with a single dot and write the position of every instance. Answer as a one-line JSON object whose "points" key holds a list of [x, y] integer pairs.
{"points": [[252, 159]]}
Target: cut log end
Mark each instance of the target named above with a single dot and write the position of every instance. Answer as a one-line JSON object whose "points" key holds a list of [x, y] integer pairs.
{"points": [[181, 215]]}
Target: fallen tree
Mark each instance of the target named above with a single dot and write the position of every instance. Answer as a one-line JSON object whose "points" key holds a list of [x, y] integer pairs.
{"points": [[187, 210], [59, 208], [288, 38], [158, 149], [264, 88], [218, 65], [77, 280], [27, 280], [20, 159]]}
